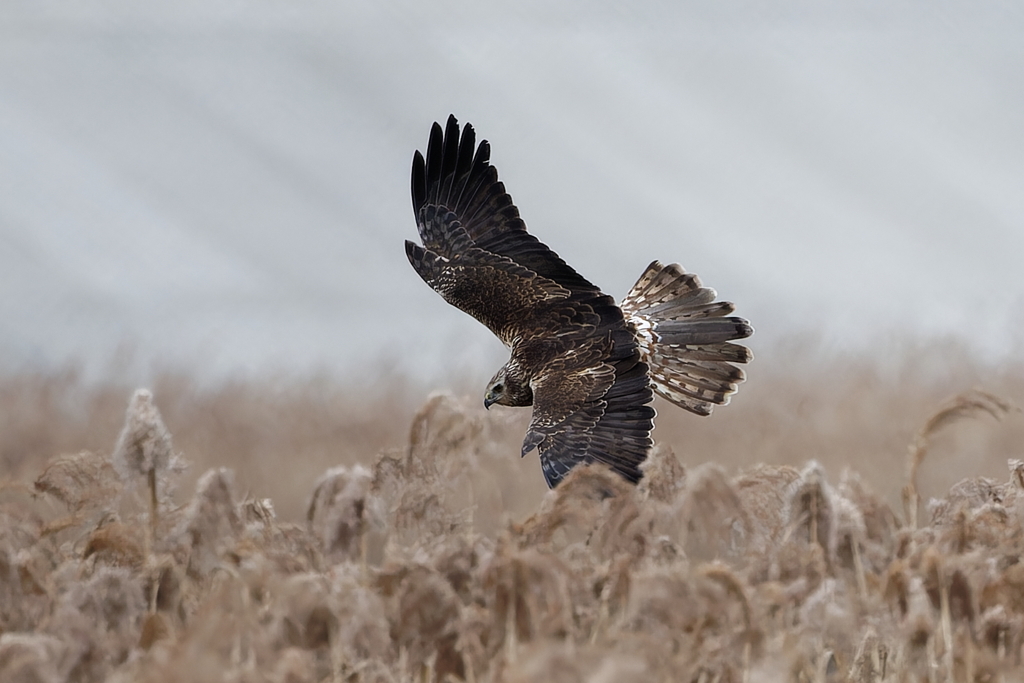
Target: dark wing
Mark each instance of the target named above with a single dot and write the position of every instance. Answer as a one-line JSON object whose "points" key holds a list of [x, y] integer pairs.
{"points": [[495, 290], [456, 176], [587, 410], [460, 178]]}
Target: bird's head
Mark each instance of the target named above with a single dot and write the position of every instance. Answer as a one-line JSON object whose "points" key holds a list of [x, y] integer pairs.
{"points": [[495, 389], [505, 389]]}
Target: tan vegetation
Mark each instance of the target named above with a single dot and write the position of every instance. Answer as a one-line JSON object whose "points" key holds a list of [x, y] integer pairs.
{"points": [[840, 521]]}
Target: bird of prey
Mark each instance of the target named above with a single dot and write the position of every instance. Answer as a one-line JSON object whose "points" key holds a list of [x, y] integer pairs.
{"points": [[588, 367]]}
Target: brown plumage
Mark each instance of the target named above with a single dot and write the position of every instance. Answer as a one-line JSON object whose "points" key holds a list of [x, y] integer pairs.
{"points": [[586, 365]]}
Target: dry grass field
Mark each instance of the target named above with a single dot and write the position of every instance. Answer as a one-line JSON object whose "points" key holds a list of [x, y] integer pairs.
{"points": [[843, 519]]}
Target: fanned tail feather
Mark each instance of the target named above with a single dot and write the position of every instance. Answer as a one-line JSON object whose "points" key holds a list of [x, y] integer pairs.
{"points": [[685, 336]]}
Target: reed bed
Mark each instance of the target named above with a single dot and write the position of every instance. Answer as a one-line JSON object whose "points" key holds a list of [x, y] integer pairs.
{"points": [[865, 524]]}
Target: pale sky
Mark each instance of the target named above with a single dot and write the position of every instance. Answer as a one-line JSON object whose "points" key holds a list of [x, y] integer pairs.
{"points": [[224, 186]]}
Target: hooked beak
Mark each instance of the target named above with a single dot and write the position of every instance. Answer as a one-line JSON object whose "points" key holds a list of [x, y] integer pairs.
{"points": [[490, 400]]}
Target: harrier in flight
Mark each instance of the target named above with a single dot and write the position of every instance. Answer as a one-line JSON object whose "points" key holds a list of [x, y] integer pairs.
{"points": [[588, 366]]}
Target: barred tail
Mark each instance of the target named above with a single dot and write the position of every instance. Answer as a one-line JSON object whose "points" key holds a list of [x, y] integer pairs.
{"points": [[685, 337]]}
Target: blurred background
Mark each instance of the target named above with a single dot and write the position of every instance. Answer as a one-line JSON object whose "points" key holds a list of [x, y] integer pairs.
{"points": [[223, 186], [211, 197]]}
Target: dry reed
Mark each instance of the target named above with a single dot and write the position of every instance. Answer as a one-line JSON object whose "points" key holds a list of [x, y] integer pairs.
{"points": [[436, 555]]}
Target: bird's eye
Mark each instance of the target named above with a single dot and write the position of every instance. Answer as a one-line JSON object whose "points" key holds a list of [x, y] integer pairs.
{"points": [[497, 388]]}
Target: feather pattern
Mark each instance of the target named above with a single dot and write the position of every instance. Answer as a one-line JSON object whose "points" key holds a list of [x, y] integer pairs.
{"points": [[686, 337]]}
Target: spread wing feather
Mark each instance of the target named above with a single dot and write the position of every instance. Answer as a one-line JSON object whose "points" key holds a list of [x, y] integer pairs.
{"points": [[455, 177], [586, 410], [493, 289]]}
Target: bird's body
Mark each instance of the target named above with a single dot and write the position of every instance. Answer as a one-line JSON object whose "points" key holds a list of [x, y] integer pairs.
{"points": [[587, 366]]}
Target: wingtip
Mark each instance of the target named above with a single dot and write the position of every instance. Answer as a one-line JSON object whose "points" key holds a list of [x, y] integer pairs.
{"points": [[419, 181], [451, 128], [531, 441], [413, 251], [452, 123]]}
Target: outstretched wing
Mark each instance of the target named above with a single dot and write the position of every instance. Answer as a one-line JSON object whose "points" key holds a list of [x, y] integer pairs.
{"points": [[495, 290], [461, 179], [587, 410], [460, 206]]}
